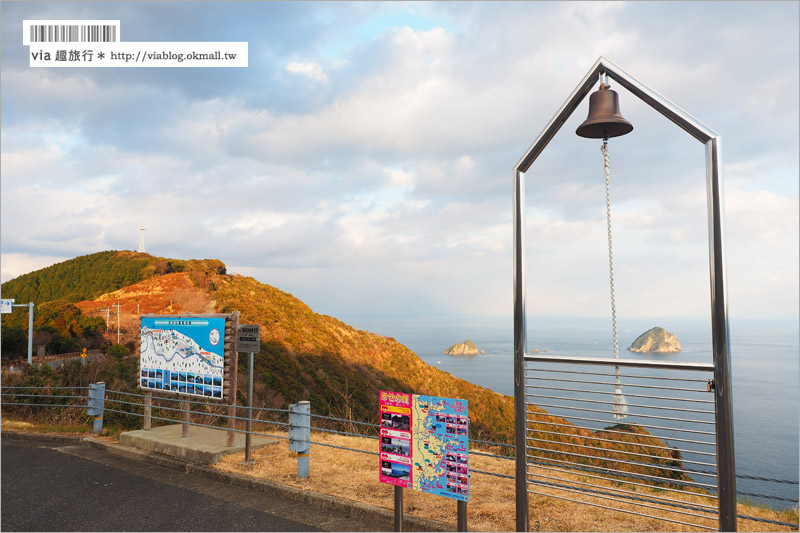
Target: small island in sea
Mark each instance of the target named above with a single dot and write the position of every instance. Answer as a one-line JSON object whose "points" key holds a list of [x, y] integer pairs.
{"points": [[656, 340], [464, 348]]}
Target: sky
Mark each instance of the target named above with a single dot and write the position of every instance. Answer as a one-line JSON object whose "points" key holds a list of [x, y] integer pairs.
{"points": [[363, 160]]}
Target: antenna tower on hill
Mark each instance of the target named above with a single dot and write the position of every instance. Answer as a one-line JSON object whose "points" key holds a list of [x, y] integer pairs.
{"points": [[141, 239]]}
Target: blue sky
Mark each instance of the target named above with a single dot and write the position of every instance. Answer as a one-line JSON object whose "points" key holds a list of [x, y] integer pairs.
{"points": [[363, 160]]}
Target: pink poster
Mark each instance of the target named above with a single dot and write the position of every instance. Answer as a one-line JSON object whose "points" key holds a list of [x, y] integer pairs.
{"points": [[395, 435]]}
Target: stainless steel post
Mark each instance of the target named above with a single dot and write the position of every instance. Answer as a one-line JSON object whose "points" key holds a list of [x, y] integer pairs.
{"points": [[148, 410], [398, 508], [248, 435], [462, 515], [520, 409], [726, 472]]}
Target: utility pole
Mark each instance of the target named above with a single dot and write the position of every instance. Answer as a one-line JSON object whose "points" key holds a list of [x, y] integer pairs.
{"points": [[106, 309], [118, 334], [141, 239]]}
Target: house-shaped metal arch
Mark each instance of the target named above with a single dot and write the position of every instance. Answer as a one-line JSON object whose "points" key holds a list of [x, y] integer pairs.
{"points": [[719, 311]]}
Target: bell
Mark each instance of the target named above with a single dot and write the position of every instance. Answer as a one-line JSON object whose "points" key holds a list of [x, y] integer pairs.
{"points": [[604, 118]]}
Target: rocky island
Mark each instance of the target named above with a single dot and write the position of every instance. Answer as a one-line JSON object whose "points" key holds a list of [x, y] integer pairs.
{"points": [[465, 348], [656, 340]]}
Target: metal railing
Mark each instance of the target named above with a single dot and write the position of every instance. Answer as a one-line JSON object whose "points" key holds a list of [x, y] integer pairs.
{"points": [[576, 476], [649, 462]]}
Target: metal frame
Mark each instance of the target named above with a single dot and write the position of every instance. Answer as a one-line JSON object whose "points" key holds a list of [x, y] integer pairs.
{"points": [[719, 309]]}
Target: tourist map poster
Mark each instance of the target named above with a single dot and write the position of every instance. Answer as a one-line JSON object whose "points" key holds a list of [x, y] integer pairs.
{"points": [[424, 443], [183, 355]]}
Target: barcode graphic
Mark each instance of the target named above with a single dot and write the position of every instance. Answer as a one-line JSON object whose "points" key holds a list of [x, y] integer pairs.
{"points": [[73, 33]]}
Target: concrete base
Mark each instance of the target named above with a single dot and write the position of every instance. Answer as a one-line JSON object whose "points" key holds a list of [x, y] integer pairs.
{"points": [[203, 445]]}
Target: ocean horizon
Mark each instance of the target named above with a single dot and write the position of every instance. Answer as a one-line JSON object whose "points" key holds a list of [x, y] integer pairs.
{"points": [[765, 372]]}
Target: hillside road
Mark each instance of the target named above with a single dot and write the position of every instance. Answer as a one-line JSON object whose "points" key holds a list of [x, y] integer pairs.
{"points": [[56, 487]]}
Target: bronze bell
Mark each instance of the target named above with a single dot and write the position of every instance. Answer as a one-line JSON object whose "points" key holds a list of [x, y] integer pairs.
{"points": [[604, 118]]}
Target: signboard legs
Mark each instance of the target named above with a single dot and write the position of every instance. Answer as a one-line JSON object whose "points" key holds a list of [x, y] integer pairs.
{"points": [[398, 508], [462, 515]]}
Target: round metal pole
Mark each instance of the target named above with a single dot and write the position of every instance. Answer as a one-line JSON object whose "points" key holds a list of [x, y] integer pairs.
{"points": [[186, 419], [520, 408], [726, 471], [398, 508], [461, 509], [248, 435]]}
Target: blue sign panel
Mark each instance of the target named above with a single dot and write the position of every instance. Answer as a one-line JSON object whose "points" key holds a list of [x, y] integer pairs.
{"points": [[185, 355]]}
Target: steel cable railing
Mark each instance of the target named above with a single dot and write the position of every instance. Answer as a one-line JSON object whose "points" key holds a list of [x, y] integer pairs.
{"points": [[562, 467], [625, 451]]}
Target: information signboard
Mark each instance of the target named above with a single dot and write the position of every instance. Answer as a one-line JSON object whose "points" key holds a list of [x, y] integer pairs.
{"points": [[6, 305], [424, 443], [183, 354], [248, 338]]}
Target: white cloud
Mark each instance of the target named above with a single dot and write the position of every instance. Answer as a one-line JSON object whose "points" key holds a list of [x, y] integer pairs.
{"points": [[310, 70], [391, 180]]}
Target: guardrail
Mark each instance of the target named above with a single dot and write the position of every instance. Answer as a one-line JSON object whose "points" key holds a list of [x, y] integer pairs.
{"points": [[125, 407]]}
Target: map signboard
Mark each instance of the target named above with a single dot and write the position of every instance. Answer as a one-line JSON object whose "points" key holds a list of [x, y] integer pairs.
{"points": [[425, 443], [184, 355]]}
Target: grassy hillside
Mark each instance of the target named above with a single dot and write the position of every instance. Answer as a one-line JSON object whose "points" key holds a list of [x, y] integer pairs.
{"points": [[88, 276], [62, 326], [305, 355]]}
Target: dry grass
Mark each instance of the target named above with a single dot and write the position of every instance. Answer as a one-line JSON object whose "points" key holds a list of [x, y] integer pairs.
{"points": [[61, 429], [354, 476]]}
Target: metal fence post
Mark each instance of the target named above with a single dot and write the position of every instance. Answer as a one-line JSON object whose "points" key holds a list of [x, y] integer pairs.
{"points": [[97, 396], [300, 435], [148, 410], [520, 405], [186, 419]]}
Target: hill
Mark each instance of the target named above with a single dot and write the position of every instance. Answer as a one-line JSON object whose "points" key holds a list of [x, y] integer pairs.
{"points": [[60, 323], [308, 356], [656, 340]]}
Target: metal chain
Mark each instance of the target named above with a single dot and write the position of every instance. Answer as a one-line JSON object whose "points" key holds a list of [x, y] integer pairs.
{"points": [[620, 409], [607, 170]]}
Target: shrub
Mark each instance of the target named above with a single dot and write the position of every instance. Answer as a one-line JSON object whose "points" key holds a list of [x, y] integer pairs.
{"points": [[118, 350]]}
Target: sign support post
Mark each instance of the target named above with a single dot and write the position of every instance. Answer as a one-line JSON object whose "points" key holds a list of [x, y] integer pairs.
{"points": [[248, 339], [398, 508], [249, 435], [9, 304], [30, 332]]}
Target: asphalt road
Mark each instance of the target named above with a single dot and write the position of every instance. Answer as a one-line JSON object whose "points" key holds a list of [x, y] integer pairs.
{"points": [[76, 488]]}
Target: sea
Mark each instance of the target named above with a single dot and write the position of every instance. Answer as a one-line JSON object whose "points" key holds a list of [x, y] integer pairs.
{"points": [[765, 374]]}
